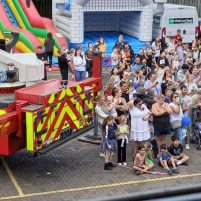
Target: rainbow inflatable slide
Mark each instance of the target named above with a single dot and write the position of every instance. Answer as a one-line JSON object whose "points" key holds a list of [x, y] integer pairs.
{"points": [[23, 17]]}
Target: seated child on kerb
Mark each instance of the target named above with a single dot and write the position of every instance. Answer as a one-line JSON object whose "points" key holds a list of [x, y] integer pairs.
{"points": [[176, 150], [149, 154], [140, 164], [165, 160]]}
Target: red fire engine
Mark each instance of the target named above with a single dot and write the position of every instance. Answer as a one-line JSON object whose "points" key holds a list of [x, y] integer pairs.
{"points": [[45, 115]]}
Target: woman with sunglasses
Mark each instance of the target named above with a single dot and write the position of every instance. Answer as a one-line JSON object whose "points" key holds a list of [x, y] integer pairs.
{"points": [[176, 117], [140, 130], [161, 120]]}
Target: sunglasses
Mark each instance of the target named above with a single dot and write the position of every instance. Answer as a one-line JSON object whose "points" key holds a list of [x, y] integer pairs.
{"points": [[175, 96]]}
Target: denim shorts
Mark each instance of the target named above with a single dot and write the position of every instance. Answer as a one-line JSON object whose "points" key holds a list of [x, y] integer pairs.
{"points": [[162, 131]]}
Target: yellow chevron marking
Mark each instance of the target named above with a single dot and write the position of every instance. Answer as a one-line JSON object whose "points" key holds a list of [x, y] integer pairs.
{"points": [[7, 124], [52, 98], [69, 92], [62, 95], [42, 121], [2, 112], [79, 88]]}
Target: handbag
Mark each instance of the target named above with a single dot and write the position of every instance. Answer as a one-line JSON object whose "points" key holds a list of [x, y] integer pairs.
{"points": [[176, 124]]}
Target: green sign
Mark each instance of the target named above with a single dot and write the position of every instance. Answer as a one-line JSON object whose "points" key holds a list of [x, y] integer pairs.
{"points": [[180, 20]]}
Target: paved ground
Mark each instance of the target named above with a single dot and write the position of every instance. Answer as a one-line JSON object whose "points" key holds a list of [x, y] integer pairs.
{"points": [[74, 171]]}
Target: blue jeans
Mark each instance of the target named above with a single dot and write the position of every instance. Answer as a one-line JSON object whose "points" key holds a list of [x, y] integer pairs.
{"points": [[80, 75], [178, 133]]}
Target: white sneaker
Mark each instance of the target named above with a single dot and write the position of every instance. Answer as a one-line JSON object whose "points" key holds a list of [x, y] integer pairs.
{"points": [[102, 155], [187, 146], [124, 163], [119, 164]]}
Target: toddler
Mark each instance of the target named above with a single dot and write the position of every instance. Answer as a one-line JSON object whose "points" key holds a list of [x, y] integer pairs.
{"points": [[140, 163], [122, 139]]}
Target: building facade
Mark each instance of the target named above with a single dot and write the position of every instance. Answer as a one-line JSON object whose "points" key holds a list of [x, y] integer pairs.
{"points": [[196, 3]]}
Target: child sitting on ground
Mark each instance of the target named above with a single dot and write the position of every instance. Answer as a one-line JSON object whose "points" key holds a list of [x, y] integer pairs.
{"points": [[149, 154], [176, 150], [165, 160], [140, 164]]}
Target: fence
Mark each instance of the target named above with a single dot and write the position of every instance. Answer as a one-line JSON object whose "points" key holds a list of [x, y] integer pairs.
{"points": [[196, 3]]}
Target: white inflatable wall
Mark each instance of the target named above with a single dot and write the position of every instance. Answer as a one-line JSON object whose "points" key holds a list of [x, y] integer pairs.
{"points": [[133, 17]]}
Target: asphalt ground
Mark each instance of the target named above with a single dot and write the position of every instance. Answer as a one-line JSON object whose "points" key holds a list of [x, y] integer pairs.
{"points": [[74, 171]]}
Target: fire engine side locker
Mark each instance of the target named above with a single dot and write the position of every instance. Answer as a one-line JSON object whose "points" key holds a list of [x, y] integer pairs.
{"points": [[46, 125]]}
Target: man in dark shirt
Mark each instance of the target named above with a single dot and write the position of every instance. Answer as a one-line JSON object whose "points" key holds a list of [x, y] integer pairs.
{"points": [[127, 47], [43, 57], [2, 44], [63, 64], [119, 44], [124, 90], [176, 150], [89, 59]]}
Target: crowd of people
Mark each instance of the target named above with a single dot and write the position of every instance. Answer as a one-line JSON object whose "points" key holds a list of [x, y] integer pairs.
{"points": [[79, 63], [150, 95]]}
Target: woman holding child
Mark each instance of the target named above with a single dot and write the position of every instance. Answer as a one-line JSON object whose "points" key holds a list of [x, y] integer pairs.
{"points": [[140, 130]]}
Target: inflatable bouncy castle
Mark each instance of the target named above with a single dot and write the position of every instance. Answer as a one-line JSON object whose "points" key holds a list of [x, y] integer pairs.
{"points": [[22, 16]]}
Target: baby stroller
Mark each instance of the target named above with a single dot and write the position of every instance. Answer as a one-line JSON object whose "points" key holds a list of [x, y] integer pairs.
{"points": [[196, 129]]}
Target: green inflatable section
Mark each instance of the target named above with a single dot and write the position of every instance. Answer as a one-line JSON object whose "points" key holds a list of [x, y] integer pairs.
{"points": [[22, 37], [41, 33]]}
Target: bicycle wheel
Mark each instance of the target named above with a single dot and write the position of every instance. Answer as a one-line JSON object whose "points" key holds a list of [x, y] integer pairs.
{"points": [[198, 141]]}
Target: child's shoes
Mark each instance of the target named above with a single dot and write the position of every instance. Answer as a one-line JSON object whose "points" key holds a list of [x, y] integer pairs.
{"points": [[111, 164], [138, 173], [175, 171], [169, 172], [187, 147], [107, 167]]}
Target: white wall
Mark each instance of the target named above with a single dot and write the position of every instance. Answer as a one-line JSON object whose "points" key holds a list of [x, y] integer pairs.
{"points": [[129, 23], [127, 16], [77, 24], [146, 23]]}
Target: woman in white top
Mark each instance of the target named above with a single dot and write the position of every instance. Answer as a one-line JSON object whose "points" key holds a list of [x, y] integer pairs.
{"points": [[176, 117], [115, 77], [99, 110], [140, 130], [115, 58], [156, 46], [192, 86], [80, 65], [153, 85]]}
